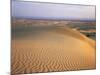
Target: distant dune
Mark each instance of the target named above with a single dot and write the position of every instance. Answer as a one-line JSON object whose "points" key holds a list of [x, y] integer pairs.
{"points": [[57, 49]]}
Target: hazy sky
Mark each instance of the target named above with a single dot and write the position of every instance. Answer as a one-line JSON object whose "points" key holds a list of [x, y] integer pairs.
{"points": [[52, 11], [86, 2]]}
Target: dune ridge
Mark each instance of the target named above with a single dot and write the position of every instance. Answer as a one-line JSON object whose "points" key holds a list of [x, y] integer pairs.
{"points": [[58, 49], [76, 34]]}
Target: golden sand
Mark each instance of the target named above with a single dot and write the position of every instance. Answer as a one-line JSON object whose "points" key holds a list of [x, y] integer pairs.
{"points": [[61, 49]]}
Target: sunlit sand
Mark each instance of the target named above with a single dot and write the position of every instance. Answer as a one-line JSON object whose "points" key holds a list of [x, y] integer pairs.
{"points": [[53, 49]]}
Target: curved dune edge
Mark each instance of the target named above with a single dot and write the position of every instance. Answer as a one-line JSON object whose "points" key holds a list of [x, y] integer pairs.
{"points": [[76, 34], [61, 49]]}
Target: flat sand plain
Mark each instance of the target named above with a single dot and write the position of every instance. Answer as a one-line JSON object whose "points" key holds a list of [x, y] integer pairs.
{"points": [[51, 49]]}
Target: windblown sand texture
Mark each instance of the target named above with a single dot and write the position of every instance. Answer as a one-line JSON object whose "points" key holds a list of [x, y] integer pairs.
{"points": [[51, 49]]}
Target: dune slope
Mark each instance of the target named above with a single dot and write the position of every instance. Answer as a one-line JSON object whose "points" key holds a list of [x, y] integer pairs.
{"points": [[57, 49]]}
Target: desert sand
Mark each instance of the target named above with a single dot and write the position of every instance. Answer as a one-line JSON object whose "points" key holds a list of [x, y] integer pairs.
{"points": [[55, 49]]}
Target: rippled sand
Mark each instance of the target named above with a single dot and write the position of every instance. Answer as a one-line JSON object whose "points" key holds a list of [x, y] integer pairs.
{"points": [[57, 49]]}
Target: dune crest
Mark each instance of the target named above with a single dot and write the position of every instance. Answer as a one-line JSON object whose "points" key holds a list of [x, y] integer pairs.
{"points": [[76, 34], [58, 49]]}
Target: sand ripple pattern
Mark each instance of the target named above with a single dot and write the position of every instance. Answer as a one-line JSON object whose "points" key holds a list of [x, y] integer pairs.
{"points": [[51, 52]]}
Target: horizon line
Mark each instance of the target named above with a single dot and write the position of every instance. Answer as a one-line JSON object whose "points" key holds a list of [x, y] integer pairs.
{"points": [[34, 18]]}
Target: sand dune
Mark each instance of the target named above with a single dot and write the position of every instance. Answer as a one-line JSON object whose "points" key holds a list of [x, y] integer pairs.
{"points": [[58, 49]]}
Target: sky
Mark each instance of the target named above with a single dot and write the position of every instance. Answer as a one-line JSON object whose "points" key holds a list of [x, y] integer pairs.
{"points": [[86, 2], [38, 10]]}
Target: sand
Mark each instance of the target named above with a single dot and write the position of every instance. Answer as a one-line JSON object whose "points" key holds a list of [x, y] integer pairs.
{"points": [[55, 49]]}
